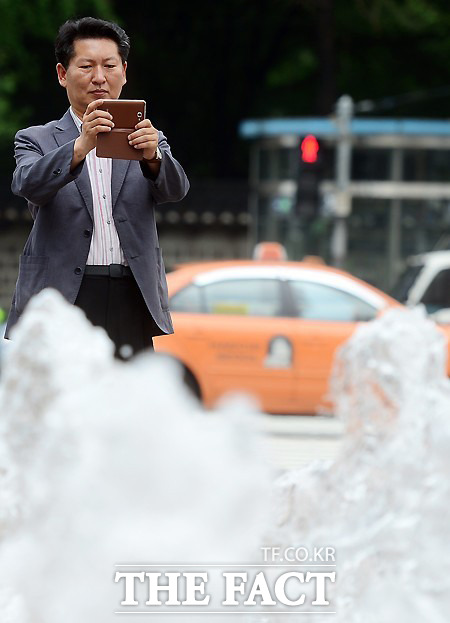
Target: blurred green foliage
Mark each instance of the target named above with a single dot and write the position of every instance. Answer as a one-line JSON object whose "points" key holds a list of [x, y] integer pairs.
{"points": [[26, 28], [203, 66]]}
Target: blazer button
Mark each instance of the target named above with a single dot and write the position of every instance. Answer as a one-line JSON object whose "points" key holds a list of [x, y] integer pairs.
{"points": [[57, 171], [87, 233], [78, 270]]}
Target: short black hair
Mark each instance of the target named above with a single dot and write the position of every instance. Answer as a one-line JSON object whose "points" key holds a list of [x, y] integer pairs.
{"points": [[88, 28]]}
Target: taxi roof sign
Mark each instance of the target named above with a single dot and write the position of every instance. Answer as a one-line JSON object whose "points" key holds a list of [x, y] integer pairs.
{"points": [[269, 251]]}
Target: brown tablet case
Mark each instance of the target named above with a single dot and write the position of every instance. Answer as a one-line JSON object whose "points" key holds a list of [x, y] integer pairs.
{"points": [[126, 114]]}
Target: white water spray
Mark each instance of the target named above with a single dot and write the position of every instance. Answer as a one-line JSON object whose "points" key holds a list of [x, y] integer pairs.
{"points": [[103, 462], [384, 503]]}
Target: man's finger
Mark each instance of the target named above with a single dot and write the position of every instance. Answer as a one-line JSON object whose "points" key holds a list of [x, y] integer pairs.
{"points": [[143, 140], [148, 132], [102, 128], [93, 105], [145, 123], [137, 133], [98, 114]]}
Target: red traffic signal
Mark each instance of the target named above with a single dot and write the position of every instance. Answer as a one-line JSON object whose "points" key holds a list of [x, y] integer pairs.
{"points": [[310, 148]]}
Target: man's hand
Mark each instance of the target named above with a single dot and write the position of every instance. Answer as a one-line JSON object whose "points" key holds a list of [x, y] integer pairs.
{"points": [[94, 121], [145, 137]]}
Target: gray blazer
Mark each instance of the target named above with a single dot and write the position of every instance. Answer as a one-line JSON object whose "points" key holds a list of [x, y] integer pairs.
{"points": [[60, 202]]}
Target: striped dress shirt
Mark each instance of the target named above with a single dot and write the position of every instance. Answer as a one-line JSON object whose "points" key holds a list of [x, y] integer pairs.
{"points": [[105, 244]]}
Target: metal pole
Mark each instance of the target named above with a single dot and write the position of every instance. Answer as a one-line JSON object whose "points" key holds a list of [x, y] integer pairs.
{"points": [[395, 221], [338, 243], [253, 197]]}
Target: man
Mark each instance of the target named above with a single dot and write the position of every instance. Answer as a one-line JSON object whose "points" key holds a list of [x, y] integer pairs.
{"points": [[94, 235]]}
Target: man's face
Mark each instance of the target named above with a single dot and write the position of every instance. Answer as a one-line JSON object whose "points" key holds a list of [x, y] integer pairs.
{"points": [[95, 72]]}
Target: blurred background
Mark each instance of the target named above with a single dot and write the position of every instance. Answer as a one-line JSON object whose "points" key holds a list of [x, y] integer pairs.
{"points": [[250, 95]]}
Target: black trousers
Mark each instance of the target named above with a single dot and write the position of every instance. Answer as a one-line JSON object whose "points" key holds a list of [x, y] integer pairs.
{"points": [[117, 305]]}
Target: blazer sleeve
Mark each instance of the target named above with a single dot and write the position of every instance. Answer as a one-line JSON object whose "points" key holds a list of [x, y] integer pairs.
{"points": [[39, 176], [171, 184]]}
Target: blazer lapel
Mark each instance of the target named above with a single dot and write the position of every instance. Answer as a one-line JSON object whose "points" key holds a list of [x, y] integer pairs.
{"points": [[66, 131], [119, 170]]}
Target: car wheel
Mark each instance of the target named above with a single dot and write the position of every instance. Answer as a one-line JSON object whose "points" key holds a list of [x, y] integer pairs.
{"points": [[191, 383]]}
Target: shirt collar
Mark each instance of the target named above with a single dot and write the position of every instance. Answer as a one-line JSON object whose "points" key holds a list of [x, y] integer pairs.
{"points": [[76, 119]]}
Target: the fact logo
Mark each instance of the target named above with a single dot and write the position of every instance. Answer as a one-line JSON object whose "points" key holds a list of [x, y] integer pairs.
{"points": [[218, 588]]}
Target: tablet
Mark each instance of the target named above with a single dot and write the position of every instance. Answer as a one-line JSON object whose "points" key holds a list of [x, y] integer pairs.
{"points": [[126, 114]]}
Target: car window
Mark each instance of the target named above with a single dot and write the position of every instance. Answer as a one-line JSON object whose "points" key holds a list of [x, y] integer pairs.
{"points": [[437, 295], [317, 301], [187, 300], [404, 283], [244, 297]]}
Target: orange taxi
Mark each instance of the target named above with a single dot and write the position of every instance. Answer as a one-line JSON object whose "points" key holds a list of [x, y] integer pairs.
{"points": [[267, 328]]}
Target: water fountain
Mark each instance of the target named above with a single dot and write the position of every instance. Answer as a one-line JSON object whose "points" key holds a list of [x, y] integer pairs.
{"points": [[104, 462], [383, 504]]}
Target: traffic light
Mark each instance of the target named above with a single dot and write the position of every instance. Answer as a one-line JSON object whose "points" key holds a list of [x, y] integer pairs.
{"points": [[309, 148], [309, 176]]}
